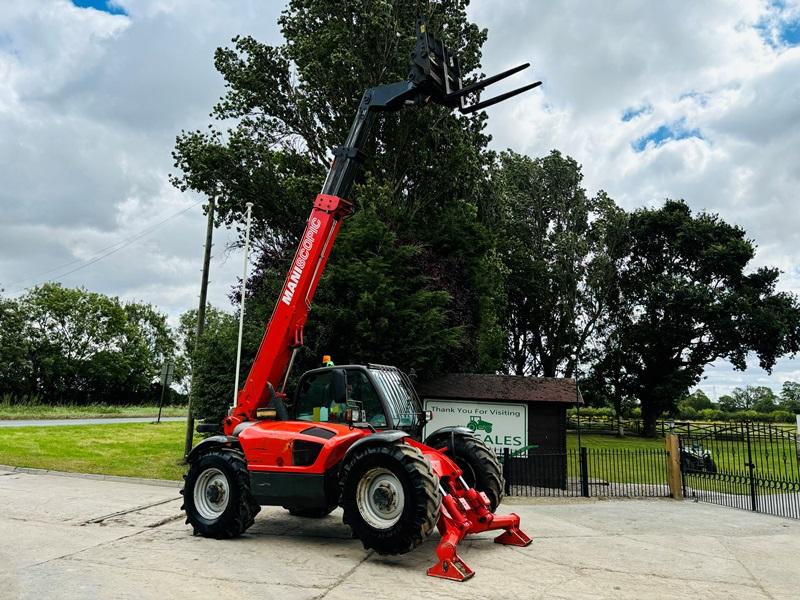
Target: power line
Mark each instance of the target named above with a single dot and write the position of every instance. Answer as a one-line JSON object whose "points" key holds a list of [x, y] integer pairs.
{"points": [[108, 250]]}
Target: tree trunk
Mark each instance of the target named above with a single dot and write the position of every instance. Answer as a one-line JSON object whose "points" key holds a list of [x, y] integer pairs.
{"points": [[649, 418]]}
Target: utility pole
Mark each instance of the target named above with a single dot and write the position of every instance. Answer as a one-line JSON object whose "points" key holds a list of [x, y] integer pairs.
{"points": [[201, 321], [241, 304]]}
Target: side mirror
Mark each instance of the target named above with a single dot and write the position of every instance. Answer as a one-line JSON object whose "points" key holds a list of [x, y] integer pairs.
{"points": [[428, 416], [339, 386]]}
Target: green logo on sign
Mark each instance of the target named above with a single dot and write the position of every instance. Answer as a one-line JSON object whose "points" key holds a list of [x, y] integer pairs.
{"points": [[476, 423]]}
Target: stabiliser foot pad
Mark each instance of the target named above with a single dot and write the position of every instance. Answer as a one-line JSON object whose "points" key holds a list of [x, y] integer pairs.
{"points": [[455, 570], [513, 537]]}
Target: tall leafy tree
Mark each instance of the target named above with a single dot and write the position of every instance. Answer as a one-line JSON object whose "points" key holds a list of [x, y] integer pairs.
{"points": [[753, 397], [414, 265], [790, 397], [558, 247], [15, 366], [688, 298], [76, 346]]}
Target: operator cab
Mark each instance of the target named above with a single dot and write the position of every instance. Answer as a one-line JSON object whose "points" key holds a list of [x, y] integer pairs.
{"points": [[384, 394]]}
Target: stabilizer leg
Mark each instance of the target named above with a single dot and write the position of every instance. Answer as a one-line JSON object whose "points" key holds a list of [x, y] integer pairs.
{"points": [[513, 535], [453, 569], [453, 526]]}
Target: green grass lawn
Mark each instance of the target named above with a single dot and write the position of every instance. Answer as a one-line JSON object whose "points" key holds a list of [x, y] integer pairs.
{"points": [[130, 449], [92, 411], [620, 460], [773, 460], [612, 442], [154, 451]]}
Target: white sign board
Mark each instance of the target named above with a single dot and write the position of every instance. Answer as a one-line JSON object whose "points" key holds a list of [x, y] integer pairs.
{"points": [[498, 425]]}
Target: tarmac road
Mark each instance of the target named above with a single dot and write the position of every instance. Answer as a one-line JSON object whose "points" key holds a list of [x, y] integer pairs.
{"points": [[81, 538]]}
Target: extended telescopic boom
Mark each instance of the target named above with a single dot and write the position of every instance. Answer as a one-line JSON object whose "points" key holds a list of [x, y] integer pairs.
{"points": [[435, 77]]}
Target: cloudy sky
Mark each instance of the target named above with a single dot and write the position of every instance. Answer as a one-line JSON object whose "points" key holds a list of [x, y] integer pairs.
{"points": [[693, 100]]}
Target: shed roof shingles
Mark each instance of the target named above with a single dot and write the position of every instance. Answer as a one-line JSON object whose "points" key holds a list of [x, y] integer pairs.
{"points": [[474, 386]]}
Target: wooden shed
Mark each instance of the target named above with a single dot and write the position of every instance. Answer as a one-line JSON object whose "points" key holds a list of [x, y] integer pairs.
{"points": [[527, 415]]}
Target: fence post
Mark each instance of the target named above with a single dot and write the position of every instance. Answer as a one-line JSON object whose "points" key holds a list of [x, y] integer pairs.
{"points": [[751, 469], [507, 471], [584, 472], [674, 466]]}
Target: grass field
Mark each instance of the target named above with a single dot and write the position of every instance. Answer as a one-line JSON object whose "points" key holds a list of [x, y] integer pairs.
{"points": [[611, 442], [773, 459], [131, 449], [93, 411], [147, 450]]}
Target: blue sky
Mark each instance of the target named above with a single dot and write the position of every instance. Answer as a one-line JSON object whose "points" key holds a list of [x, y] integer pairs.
{"points": [[108, 6], [665, 133], [631, 113], [780, 25]]}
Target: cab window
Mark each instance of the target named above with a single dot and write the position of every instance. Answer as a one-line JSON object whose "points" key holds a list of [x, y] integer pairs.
{"points": [[316, 400], [360, 389]]}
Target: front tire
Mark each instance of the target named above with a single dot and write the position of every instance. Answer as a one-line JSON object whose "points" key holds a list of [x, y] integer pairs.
{"points": [[390, 497], [480, 467], [216, 495]]}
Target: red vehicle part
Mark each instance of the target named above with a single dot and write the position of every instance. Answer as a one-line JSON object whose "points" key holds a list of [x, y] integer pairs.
{"points": [[285, 330], [464, 511], [295, 463]]}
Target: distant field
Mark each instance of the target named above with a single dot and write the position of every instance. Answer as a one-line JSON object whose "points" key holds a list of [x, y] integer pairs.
{"points": [[93, 411], [772, 459], [131, 449], [154, 451], [611, 442]]}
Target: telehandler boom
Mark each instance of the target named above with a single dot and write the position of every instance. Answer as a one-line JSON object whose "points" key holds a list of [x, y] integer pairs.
{"points": [[352, 436]]}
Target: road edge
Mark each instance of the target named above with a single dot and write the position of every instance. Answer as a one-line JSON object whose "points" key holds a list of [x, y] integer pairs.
{"points": [[95, 476]]}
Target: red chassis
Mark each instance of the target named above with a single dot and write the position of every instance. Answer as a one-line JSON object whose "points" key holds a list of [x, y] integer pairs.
{"points": [[464, 510]]}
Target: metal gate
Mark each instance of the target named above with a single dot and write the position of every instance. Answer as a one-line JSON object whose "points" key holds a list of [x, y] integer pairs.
{"points": [[753, 466]]}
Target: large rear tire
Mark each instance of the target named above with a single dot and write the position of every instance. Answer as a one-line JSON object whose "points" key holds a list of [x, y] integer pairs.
{"points": [[216, 495], [481, 469], [390, 497]]}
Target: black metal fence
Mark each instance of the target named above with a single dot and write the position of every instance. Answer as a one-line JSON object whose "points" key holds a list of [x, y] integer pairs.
{"points": [[612, 426], [588, 472], [752, 466]]}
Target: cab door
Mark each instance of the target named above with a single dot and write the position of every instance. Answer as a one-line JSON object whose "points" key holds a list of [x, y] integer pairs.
{"points": [[360, 389]]}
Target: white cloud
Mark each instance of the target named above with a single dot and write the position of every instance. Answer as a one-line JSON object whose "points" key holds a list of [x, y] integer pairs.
{"points": [[90, 104], [709, 65]]}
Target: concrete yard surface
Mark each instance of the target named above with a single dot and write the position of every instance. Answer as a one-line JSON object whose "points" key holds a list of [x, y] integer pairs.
{"points": [[82, 538]]}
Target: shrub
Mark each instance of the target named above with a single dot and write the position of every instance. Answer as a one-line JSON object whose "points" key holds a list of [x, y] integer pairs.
{"points": [[712, 414], [605, 411], [744, 415], [782, 416]]}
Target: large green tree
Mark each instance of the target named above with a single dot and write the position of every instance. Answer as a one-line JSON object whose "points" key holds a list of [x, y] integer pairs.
{"points": [[753, 397], [790, 397], [412, 278], [65, 345], [559, 247], [14, 351], [688, 297]]}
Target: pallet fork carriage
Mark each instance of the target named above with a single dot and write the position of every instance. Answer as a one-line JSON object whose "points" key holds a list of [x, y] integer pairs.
{"points": [[351, 436]]}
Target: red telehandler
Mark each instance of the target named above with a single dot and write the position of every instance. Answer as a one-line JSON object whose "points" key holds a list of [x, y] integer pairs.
{"points": [[352, 435]]}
